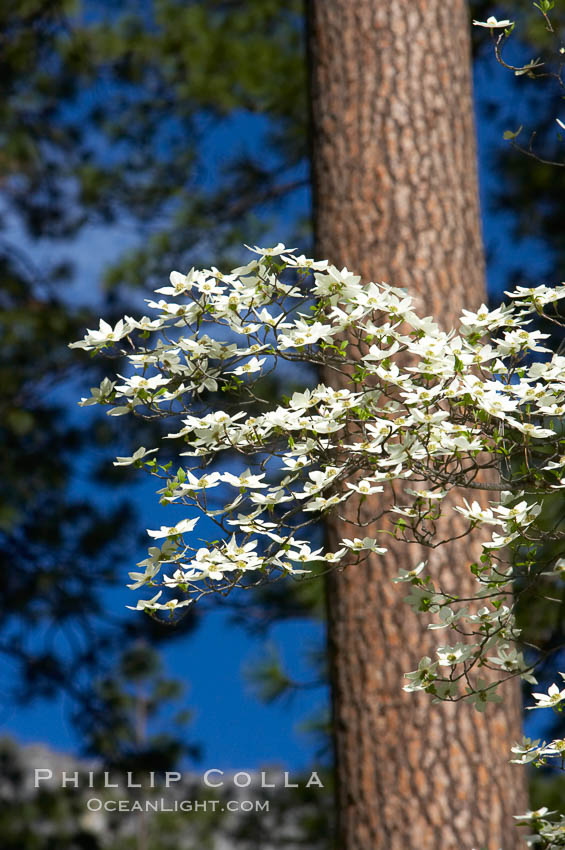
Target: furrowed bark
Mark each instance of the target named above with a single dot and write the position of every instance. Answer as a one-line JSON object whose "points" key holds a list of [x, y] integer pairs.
{"points": [[396, 199]]}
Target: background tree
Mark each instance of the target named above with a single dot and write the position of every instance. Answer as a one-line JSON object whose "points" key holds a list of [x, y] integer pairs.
{"points": [[396, 199], [109, 111], [106, 115]]}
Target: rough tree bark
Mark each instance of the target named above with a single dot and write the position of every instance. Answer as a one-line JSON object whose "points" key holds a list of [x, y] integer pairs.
{"points": [[395, 199]]}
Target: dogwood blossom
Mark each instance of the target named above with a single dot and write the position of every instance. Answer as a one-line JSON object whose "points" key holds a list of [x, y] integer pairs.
{"points": [[552, 698], [182, 527], [138, 455], [492, 23]]}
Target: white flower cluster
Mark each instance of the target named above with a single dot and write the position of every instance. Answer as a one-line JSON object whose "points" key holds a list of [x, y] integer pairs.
{"points": [[418, 407], [548, 830]]}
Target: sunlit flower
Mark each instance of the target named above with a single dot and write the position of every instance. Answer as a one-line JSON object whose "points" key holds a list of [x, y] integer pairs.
{"points": [[492, 23]]}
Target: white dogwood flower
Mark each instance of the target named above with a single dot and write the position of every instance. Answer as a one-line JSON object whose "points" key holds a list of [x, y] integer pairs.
{"points": [[492, 23]]}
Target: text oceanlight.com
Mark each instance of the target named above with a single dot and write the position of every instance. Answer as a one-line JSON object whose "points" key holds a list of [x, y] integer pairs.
{"points": [[96, 804]]}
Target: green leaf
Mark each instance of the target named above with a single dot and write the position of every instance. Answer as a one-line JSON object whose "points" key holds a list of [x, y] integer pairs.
{"points": [[509, 134]]}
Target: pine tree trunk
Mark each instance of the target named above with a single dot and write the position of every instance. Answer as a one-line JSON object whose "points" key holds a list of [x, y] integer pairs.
{"points": [[395, 199]]}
